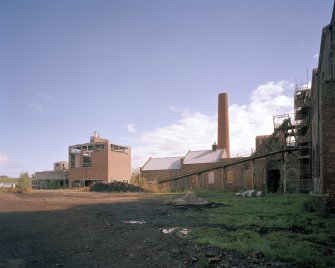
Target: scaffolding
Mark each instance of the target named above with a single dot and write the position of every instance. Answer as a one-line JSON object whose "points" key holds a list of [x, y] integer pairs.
{"points": [[302, 107]]}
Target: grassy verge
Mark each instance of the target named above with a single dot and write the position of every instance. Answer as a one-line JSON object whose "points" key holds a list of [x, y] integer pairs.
{"points": [[278, 226]]}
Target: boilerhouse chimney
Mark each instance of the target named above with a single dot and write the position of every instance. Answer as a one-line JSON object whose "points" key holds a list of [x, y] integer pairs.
{"points": [[223, 124], [214, 146]]}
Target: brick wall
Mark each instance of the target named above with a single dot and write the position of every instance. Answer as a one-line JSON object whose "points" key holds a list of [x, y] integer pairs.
{"points": [[233, 178], [97, 171], [328, 136], [119, 166]]}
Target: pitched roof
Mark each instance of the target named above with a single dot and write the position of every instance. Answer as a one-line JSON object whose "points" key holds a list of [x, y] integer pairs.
{"points": [[206, 156], [162, 163]]}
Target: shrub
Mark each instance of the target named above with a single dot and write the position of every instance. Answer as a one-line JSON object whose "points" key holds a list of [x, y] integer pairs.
{"points": [[24, 182], [319, 206]]}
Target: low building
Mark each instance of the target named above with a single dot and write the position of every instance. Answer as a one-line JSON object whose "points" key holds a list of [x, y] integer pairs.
{"points": [[98, 160], [7, 185], [207, 169], [229, 178], [52, 179]]}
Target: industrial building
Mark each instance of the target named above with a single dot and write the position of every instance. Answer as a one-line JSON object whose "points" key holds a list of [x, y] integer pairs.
{"points": [[53, 179], [298, 156], [98, 160], [198, 169]]}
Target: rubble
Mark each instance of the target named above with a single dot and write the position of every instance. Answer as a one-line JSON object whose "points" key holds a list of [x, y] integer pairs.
{"points": [[189, 199], [250, 193]]}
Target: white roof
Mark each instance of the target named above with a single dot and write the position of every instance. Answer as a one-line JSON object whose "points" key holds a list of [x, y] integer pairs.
{"points": [[162, 163], [207, 156]]}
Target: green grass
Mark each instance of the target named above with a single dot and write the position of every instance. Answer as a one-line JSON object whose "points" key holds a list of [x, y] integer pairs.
{"points": [[279, 226]]}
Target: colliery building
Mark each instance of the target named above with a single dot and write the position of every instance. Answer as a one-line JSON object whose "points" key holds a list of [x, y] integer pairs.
{"points": [[298, 156], [53, 179], [207, 169], [98, 160], [95, 161]]}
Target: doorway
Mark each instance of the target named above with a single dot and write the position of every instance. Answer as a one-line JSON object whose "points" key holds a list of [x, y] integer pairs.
{"points": [[273, 180]]}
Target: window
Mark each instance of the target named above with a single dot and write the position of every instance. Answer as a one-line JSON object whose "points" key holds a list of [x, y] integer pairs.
{"points": [[211, 177], [87, 160], [118, 148], [230, 177], [99, 147], [72, 160]]}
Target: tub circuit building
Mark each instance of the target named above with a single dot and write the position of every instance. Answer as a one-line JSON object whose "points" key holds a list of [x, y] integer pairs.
{"points": [[98, 160]]}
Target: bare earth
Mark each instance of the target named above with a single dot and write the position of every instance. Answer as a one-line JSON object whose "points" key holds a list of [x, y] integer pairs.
{"points": [[83, 229]]}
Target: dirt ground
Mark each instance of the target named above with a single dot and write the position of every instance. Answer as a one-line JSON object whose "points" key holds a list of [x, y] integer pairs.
{"points": [[83, 229]]}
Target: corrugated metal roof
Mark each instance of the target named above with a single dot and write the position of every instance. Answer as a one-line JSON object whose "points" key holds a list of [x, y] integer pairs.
{"points": [[162, 163], [207, 156]]}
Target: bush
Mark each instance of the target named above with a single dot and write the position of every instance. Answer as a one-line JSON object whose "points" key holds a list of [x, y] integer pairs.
{"points": [[115, 187], [24, 182], [319, 206]]}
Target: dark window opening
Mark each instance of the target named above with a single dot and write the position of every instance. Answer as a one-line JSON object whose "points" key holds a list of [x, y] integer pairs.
{"points": [[273, 180], [72, 160], [99, 147], [87, 161]]}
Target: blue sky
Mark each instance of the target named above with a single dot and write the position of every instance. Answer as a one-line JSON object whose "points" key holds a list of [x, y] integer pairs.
{"points": [[147, 73]]}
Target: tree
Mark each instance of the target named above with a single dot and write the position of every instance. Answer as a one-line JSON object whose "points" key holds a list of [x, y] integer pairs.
{"points": [[135, 177], [24, 182]]}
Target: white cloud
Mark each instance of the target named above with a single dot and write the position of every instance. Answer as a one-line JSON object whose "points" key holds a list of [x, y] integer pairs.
{"points": [[36, 107], [3, 159], [316, 56], [197, 131], [131, 127], [256, 118], [44, 96]]}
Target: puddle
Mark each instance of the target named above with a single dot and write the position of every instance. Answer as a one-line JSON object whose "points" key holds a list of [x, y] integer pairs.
{"points": [[134, 222]]}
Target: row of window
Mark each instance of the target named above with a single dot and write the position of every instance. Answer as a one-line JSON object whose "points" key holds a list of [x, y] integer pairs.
{"points": [[99, 147], [90, 147]]}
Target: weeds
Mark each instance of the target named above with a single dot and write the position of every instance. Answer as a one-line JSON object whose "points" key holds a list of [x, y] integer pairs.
{"points": [[281, 227]]}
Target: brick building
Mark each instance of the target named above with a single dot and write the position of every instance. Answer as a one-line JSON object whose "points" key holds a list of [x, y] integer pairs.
{"points": [[98, 160], [298, 156], [231, 178], [323, 115]]}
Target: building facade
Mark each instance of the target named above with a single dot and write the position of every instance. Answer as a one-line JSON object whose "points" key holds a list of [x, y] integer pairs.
{"points": [[98, 160], [323, 115]]}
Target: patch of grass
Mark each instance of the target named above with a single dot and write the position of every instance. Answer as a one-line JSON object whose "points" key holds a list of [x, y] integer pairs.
{"points": [[278, 226]]}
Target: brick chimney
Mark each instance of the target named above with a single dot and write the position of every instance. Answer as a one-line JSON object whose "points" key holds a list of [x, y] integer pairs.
{"points": [[223, 124]]}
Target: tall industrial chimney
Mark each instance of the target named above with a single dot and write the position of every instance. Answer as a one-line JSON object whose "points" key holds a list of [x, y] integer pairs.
{"points": [[223, 124]]}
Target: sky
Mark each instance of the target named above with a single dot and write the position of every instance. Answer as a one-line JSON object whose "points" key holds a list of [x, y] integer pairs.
{"points": [[147, 73]]}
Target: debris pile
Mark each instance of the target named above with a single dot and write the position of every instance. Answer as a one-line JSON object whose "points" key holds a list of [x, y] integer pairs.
{"points": [[250, 193], [189, 199], [181, 232]]}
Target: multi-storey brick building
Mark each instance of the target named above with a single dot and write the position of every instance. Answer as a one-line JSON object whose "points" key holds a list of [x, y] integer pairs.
{"points": [[98, 160]]}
